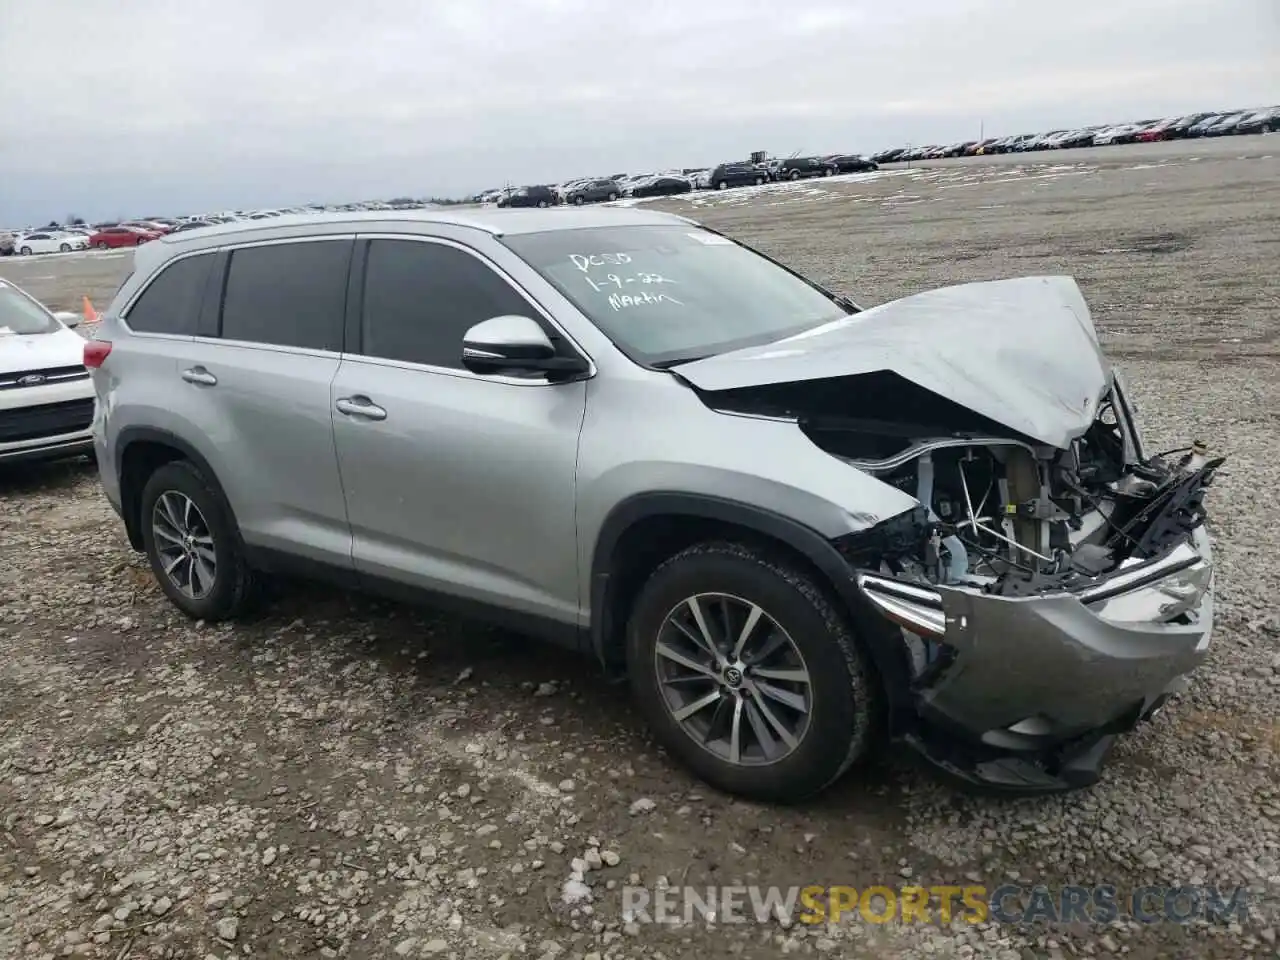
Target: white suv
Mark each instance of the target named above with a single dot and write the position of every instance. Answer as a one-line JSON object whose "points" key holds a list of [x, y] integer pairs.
{"points": [[46, 396]]}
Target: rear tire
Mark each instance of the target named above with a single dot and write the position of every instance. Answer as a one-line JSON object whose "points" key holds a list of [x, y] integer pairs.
{"points": [[64, 248], [25, 251], [841, 704], [795, 174], [215, 542], [721, 185], [103, 245]]}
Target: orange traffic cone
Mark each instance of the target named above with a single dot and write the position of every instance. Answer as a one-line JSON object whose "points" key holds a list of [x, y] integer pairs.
{"points": [[90, 314]]}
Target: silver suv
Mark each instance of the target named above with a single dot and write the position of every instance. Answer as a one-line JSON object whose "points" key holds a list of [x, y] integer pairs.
{"points": [[797, 527]]}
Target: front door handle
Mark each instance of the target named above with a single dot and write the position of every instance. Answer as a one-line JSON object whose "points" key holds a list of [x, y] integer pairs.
{"points": [[360, 407], [199, 375]]}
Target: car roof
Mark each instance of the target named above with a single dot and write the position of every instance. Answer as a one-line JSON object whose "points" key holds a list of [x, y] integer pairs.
{"points": [[496, 222]]}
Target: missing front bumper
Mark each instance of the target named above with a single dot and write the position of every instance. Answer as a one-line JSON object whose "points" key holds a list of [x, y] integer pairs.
{"points": [[1029, 674]]}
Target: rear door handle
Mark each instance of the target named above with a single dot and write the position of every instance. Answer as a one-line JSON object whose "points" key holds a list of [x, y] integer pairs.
{"points": [[199, 375], [360, 407]]}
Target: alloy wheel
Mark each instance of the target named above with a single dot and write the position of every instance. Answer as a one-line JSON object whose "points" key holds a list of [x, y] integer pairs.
{"points": [[184, 544], [733, 679]]}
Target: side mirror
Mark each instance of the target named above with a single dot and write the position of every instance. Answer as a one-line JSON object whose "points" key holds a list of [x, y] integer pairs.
{"points": [[68, 318], [514, 343]]}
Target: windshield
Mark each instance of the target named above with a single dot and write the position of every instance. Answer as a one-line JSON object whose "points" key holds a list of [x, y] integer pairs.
{"points": [[666, 294], [20, 315]]}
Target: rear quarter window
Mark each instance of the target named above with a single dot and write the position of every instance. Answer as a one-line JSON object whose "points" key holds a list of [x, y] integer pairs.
{"points": [[170, 303]]}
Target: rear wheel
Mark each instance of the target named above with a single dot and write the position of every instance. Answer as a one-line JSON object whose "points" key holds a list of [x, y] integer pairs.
{"points": [[759, 180], [139, 241], [579, 200], [25, 251], [64, 248], [103, 245], [795, 174], [721, 185], [542, 203], [748, 673], [192, 541], [613, 196]]}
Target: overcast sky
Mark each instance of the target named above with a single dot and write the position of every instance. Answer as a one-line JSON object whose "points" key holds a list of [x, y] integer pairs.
{"points": [[174, 106]]}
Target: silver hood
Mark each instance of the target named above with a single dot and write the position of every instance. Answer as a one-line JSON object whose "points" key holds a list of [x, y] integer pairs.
{"points": [[1021, 352]]}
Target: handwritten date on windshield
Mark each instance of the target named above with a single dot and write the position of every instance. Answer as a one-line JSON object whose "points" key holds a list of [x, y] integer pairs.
{"points": [[613, 281]]}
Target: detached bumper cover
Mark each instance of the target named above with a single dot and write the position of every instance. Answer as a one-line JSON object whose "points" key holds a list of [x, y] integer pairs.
{"points": [[1029, 673]]}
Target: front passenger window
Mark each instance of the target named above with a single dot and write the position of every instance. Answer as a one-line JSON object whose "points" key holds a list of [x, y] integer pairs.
{"points": [[421, 297]]}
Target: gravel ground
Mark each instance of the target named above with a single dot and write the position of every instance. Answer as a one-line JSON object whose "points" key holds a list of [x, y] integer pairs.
{"points": [[344, 777]]}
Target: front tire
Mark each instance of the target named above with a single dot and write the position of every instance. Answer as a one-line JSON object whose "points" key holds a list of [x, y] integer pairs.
{"points": [[25, 251], [193, 543], [103, 245], [64, 248], [749, 674]]}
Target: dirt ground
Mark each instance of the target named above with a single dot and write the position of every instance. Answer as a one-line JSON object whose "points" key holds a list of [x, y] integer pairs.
{"points": [[345, 777]]}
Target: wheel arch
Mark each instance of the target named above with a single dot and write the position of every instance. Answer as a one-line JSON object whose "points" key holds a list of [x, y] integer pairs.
{"points": [[139, 452], [643, 530]]}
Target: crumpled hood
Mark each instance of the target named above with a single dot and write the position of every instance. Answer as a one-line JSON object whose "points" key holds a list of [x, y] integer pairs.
{"points": [[1021, 352], [40, 351]]}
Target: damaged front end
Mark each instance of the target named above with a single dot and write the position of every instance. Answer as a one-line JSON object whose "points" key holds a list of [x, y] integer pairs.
{"points": [[1054, 584], [1048, 598]]}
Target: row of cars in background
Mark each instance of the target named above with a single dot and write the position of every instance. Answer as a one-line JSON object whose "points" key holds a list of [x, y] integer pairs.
{"points": [[1233, 123], [66, 238], [723, 176]]}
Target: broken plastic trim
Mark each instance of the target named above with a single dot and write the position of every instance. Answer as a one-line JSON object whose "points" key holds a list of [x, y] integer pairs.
{"points": [[920, 609]]}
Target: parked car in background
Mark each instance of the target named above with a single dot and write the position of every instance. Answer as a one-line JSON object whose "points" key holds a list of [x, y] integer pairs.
{"points": [[1260, 121], [798, 168], [42, 241], [147, 226], [727, 175], [46, 396], [1224, 125], [850, 163], [892, 155], [192, 225], [593, 191], [531, 196], [1183, 125], [659, 186], [121, 236], [1201, 127]]}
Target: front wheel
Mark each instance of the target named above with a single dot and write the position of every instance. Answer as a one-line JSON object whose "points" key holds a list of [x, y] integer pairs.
{"points": [[759, 180], [795, 174], [138, 241], [828, 172], [542, 203], [25, 251], [749, 673], [721, 185], [612, 197], [103, 245], [192, 541], [579, 201], [64, 248]]}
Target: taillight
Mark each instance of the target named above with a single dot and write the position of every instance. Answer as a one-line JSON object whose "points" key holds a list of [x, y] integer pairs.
{"points": [[95, 352]]}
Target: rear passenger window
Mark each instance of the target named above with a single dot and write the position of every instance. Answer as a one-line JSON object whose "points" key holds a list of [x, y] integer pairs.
{"points": [[288, 294], [421, 297], [171, 301]]}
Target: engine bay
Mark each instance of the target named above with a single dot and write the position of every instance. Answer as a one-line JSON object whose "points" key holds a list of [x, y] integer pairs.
{"points": [[1014, 518]]}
